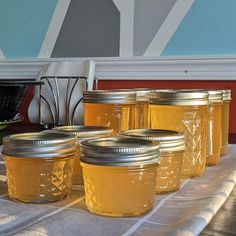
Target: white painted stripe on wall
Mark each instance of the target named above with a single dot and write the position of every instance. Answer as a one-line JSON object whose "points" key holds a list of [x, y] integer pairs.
{"points": [[126, 8], [54, 28], [1, 54], [168, 27]]}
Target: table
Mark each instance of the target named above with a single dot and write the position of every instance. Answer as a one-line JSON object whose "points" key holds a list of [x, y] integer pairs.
{"points": [[185, 212]]}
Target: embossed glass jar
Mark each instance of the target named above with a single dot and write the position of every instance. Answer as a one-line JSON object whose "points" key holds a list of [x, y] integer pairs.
{"points": [[142, 118], [172, 146], [83, 133], [184, 111], [39, 166], [119, 175], [225, 121], [113, 108], [214, 115]]}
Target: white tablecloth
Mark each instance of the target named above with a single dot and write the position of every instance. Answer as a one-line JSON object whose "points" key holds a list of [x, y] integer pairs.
{"points": [[185, 212]]}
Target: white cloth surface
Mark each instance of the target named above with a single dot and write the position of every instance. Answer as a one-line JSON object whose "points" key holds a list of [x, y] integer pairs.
{"points": [[185, 212]]}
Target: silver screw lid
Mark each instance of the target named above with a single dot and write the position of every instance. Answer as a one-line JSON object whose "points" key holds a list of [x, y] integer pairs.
{"points": [[40, 145], [117, 151], [170, 140], [215, 96], [115, 96], [179, 97], [85, 132], [226, 94]]}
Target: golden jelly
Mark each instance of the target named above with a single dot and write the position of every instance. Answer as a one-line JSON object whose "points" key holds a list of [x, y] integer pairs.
{"points": [[83, 133], [172, 146], [39, 166], [225, 122], [184, 111], [119, 175], [113, 108]]}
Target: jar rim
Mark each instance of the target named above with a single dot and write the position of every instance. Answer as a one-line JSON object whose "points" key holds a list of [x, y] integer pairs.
{"points": [[118, 151]]}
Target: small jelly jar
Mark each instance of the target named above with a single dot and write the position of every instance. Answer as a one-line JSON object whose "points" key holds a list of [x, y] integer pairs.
{"points": [[39, 166], [184, 111], [225, 121], [172, 146], [119, 175], [83, 133], [214, 116], [113, 108], [142, 117]]}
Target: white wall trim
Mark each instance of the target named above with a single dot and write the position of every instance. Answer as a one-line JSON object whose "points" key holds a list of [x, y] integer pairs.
{"points": [[1, 54], [140, 68], [54, 28], [126, 9], [168, 27]]}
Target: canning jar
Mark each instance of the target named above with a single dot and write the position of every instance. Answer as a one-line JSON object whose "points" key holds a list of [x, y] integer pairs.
{"points": [[39, 166], [183, 111], [172, 146], [214, 115], [113, 108], [83, 133], [142, 118], [225, 121], [119, 175]]}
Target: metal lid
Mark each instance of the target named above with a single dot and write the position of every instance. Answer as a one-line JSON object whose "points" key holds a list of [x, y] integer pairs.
{"points": [[40, 145], [117, 151], [170, 140], [215, 96], [179, 97], [142, 94], [115, 96], [226, 94], [85, 132]]}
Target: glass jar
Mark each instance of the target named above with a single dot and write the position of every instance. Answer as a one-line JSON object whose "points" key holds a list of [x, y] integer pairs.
{"points": [[172, 146], [83, 133], [225, 122], [184, 111], [214, 115], [119, 175], [39, 166], [142, 118], [113, 108]]}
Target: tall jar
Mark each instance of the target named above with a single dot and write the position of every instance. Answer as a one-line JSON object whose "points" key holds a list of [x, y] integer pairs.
{"points": [[83, 133], [142, 118], [113, 108], [184, 111], [119, 175], [225, 121], [214, 115], [172, 146], [39, 166]]}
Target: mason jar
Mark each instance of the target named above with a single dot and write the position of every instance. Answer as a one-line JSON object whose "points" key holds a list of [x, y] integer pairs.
{"points": [[83, 133], [39, 166], [142, 118], [119, 175], [172, 146], [113, 108], [214, 116], [225, 121], [184, 111]]}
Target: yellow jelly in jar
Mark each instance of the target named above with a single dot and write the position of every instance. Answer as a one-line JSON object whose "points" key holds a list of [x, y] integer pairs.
{"points": [[172, 146], [39, 166], [225, 122], [186, 112], [214, 115], [119, 175], [83, 133], [113, 108]]}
